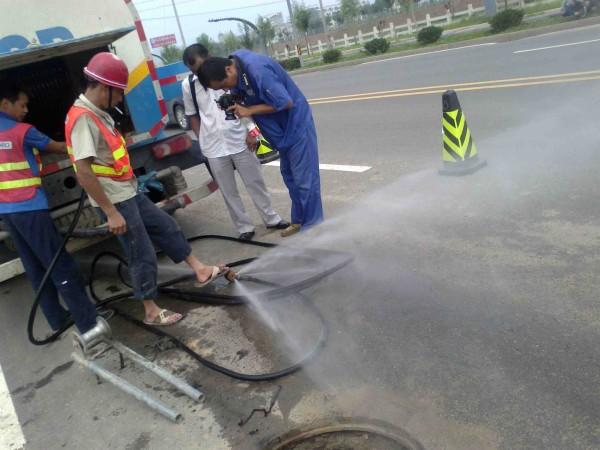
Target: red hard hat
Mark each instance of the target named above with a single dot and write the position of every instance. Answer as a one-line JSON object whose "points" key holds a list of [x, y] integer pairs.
{"points": [[108, 69]]}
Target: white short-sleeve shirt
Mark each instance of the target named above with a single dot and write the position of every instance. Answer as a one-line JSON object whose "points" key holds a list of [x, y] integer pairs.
{"points": [[218, 137]]}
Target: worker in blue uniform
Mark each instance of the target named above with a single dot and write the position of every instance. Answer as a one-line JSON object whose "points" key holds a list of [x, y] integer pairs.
{"points": [[25, 215], [280, 109]]}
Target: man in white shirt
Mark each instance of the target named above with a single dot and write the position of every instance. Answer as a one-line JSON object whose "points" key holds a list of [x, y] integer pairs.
{"points": [[227, 145]]}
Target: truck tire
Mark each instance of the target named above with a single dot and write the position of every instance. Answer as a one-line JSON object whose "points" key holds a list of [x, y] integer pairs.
{"points": [[180, 117]]}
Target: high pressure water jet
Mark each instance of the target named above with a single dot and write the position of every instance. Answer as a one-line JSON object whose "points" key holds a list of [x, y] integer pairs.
{"points": [[98, 340]]}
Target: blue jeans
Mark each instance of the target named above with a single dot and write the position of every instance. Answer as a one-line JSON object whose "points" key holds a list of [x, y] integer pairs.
{"points": [[148, 225], [37, 241]]}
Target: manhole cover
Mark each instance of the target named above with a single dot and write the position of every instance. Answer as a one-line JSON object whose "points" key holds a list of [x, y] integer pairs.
{"points": [[347, 434]]}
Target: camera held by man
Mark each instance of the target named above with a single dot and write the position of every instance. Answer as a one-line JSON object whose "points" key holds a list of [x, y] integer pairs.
{"points": [[225, 102]]}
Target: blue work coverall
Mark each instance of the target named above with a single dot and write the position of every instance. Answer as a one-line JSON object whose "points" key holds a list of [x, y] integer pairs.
{"points": [[292, 131]]}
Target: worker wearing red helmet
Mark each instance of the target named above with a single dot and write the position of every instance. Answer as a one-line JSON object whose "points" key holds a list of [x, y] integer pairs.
{"points": [[104, 171]]}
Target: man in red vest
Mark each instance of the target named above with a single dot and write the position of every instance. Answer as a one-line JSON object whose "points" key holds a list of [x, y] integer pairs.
{"points": [[103, 169], [24, 213]]}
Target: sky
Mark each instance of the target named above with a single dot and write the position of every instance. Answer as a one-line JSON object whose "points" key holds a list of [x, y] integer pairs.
{"points": [[158, 17]]}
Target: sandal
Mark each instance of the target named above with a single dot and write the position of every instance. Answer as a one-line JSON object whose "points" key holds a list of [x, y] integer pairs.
{"points": [[216, 272], [165, 318]]}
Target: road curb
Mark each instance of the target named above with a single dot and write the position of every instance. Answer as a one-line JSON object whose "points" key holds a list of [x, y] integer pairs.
{"points": [[503, 37]]}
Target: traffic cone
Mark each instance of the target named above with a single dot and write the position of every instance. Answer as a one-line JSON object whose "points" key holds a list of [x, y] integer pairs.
{"points": [[265, 152], [459, 152]]}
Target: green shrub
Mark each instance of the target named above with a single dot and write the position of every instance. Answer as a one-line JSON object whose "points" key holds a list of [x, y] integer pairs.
{"points": [[429, 35], [506, 19], [379, 45], [332, 55], [290, 64]]}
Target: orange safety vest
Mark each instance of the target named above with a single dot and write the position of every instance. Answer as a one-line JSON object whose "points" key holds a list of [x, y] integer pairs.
{"points": [[121, 169], [18, 182]]}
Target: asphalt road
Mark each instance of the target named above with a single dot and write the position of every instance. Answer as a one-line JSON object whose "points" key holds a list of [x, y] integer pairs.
{"points": [[470, 315]]}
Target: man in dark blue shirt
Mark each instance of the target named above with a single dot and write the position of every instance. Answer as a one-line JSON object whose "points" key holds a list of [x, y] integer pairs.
{"points": [[283, 114], [24, 213]]}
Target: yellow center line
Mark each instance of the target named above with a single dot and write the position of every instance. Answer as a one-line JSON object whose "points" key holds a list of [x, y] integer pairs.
{"points": [[499, 84]]}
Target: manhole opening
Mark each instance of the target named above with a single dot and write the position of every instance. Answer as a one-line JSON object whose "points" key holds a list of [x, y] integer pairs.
{"points": [[347, 435]]}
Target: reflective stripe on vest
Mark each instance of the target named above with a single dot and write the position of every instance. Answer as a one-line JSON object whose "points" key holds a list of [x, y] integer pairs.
{"points": [[18, 182], [6, 167], [121, 169], [23, 165]]}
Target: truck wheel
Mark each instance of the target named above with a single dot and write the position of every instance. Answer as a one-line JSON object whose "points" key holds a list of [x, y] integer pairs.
{"points": [[180, 117]]}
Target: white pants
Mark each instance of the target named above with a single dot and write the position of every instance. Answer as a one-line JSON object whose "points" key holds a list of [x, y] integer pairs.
{"points": [[250, 171]]}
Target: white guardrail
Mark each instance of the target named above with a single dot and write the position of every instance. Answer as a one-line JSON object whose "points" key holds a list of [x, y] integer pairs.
{"points": [[391, 32]]}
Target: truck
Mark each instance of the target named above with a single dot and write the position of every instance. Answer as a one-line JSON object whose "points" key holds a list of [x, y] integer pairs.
{"points": [[45, 47]]}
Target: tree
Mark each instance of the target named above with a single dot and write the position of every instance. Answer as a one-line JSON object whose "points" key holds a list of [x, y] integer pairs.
{"points": [[315, 24], [337, 17], [209, 43], [389, 4], [302, 21], [409, 7], [350, 9], [171, 53], [229, 42], [377, 7], [247, 38], [265, 29]]}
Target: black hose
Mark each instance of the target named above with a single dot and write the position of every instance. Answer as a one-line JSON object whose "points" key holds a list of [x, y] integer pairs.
{"points": [[47, 275], [217, 299], [207, 298], [232, 373]]}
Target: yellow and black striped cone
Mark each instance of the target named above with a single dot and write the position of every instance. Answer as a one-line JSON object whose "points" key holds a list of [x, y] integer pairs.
{"points": [[265, 152], [459, 152]]}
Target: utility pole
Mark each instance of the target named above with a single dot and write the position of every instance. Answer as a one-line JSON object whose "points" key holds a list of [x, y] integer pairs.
{"points": [[322, 11], [289, 5], [178, 23], [294, 33]]}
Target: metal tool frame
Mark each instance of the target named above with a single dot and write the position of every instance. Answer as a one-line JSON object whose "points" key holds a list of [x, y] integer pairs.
{"points": [[88, 350]]}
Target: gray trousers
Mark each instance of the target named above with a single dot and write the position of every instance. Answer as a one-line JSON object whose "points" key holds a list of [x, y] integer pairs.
{"points": [[250, 171]]}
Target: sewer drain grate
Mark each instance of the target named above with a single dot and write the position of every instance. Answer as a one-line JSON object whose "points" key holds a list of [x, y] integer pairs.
{"points": [[347, 434]]}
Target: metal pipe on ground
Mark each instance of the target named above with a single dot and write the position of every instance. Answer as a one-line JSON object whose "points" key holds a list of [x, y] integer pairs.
{"points": [[167, 376], [127, 387]]}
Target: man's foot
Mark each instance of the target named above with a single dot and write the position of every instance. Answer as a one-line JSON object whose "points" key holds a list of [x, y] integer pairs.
{"points": [[247, 236], [215, 272], [292, 229], [163, 318], [282, 225]]}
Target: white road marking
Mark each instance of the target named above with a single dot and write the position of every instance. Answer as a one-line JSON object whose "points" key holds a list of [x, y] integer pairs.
{"points": [[336, 167], [430, 53], [11, 435], [556, 46]]}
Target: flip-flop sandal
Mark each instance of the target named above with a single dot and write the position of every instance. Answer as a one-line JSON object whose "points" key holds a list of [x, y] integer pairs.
{"points": [[216, 272], [163, 319]]}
